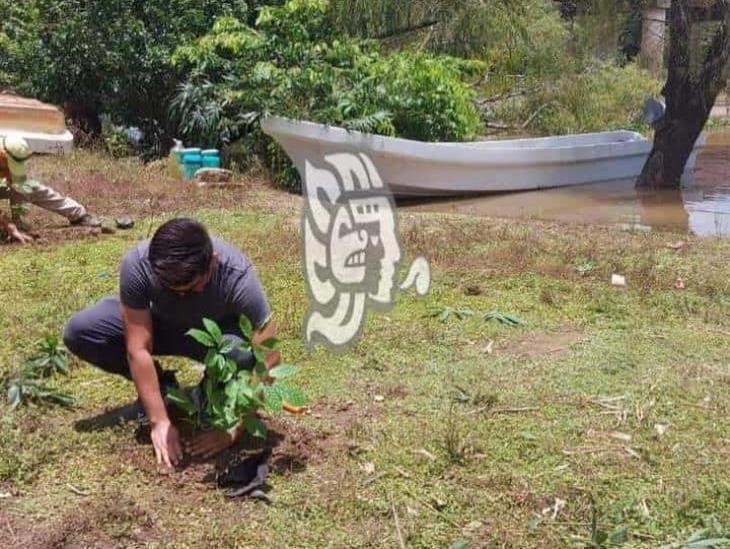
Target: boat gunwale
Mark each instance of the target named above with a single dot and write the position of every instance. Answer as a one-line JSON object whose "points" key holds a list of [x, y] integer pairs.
{"points": [[467, 153]]}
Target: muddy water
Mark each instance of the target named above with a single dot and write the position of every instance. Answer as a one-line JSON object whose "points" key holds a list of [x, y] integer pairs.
{"points": [[702, 207]]}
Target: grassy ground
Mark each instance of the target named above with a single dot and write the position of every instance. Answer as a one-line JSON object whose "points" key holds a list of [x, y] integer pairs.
{"points": [[607, 413]]}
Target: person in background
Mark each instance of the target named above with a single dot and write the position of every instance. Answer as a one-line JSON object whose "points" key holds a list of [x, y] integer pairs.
{"points": [[19, 189]]}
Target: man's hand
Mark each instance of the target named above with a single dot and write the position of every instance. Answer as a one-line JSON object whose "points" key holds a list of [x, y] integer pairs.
{"points": [[16, 234], [212, 442], [166, 443]]}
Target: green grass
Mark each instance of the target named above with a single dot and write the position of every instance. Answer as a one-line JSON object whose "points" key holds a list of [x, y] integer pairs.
{"points": [[544, 417]]}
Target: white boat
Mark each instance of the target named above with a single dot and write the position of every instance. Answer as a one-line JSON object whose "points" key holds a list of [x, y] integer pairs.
{"points": [[416, 168], [43, 126]]}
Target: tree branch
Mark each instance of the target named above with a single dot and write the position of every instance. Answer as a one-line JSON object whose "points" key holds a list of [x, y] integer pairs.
{"points": [[407, 30]]}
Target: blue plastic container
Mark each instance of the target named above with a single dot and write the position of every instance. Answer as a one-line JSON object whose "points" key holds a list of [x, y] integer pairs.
{"points": [[211, 158], [192, 161]]}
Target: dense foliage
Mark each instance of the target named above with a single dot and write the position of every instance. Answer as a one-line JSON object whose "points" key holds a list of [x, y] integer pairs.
{"points": [[97, 56], [517, 36], [292, 63], [207, 71], [603, 97]]}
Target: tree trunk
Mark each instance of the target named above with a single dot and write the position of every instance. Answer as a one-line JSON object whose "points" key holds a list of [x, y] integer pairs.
{"points": [[689, 98]]}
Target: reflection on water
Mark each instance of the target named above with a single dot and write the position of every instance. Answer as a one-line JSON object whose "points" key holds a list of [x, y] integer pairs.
{"points": [[702, 207]]}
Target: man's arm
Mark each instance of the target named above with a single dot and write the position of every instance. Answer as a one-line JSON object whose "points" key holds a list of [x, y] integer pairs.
{"points": [[267, 332], [138, 334]]}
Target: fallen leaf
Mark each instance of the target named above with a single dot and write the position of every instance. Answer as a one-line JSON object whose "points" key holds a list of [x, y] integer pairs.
{"points": [[623, 437], [425, 453], [555, 508], [660, 429], [368, 467], [378, 398], [679, 284], [489, 347], [618, 280], [678, 245]]}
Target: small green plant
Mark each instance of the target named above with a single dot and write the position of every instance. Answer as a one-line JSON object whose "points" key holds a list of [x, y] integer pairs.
{"points": [[444, 313], [232, 397], [27, 386], [584, 266], [52, 359], [505, 319]]}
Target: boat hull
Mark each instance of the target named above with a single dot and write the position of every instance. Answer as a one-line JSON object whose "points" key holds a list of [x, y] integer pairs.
{"points": [[414, 168], [43, 126]]}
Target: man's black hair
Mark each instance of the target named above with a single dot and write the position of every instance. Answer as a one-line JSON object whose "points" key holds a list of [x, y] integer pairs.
{"points": [[180, 251]]}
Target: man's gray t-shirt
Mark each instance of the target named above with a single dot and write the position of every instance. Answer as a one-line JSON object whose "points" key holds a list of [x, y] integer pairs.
{"points": [[234, 289]]}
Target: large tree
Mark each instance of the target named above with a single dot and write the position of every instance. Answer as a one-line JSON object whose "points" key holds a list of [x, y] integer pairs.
{"points": [[690, 94], [99, 57]]}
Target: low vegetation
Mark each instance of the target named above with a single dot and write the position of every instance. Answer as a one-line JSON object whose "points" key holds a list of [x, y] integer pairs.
{"points": [[28, 385], [603, 97], [602, 419]]}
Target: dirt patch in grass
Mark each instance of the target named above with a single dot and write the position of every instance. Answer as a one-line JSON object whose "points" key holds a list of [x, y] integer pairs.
{"points": [[543, 344], [343, 415], [110, 522], [294, 446], [112, 188]]}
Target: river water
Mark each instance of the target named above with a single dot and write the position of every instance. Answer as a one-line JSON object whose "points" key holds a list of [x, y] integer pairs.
{"points": [[702, 207]]}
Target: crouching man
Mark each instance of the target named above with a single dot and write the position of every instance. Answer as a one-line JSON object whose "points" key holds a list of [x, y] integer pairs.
{"points": [[167, 286], [15, 186]]}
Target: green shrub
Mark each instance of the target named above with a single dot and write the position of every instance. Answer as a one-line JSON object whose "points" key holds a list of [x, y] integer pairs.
{"points": [[291, 64], [604, 97]]}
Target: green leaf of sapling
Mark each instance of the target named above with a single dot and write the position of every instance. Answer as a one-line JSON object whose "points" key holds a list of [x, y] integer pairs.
{"points": [[291, 395], [201, 337], [213, 330], [182, 400], [283, 371], [246, 327], [273, 399], [271, 344], [226, 347], [255, 427]]}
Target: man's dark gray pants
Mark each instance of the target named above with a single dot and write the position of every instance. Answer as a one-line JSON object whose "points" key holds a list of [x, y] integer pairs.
{"points": [[96, 335]]}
